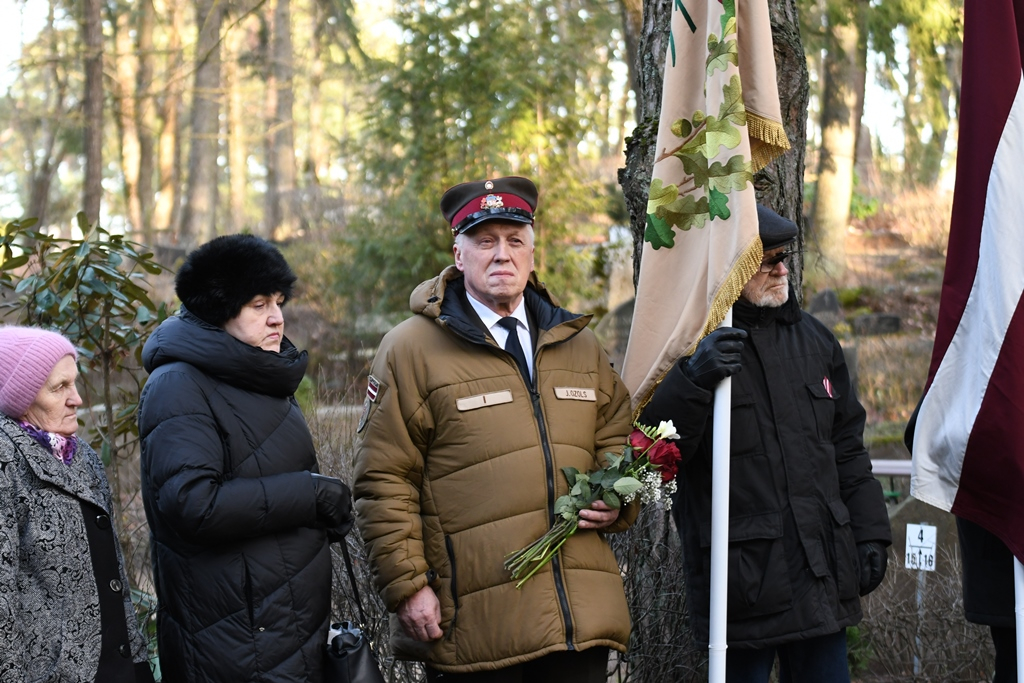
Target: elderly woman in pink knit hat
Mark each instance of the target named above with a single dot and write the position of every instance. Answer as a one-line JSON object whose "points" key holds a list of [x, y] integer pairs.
{"points": [[65, 608]]}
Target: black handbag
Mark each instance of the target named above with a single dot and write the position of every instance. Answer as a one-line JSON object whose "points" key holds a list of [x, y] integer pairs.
{"points": [[350, 659]]}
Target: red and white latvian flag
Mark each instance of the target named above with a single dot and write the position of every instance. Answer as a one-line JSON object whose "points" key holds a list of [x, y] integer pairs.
{"points": [[720, 122], [969, 438]]}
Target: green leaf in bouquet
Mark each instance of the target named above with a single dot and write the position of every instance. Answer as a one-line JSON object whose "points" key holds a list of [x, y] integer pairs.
{"points": [[611, 499], [627, 486], [570, 474], [614, 460], [582, 488], [565, 507], [597, 478]]}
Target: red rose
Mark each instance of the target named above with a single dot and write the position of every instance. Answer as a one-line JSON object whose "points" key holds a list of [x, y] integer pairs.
{"points": [[666, 456], [639, 441]]}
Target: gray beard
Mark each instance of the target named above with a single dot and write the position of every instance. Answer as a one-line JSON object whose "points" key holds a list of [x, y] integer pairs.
{"points": [[768, 299]]}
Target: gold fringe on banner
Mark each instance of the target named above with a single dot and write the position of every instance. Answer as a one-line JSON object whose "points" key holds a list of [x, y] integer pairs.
{"points": [[745, 268], [768, 140]]}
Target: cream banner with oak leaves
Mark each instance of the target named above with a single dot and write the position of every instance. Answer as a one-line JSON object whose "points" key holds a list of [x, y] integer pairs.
{"points": [[720, 122]]}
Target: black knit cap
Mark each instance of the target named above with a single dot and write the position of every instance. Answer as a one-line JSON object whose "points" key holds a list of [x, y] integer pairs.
{"points": [[226, 273], [775, 231], [467, 205]]}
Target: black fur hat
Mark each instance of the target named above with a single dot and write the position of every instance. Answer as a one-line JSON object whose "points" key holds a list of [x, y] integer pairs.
{"points": [[223, 275]]}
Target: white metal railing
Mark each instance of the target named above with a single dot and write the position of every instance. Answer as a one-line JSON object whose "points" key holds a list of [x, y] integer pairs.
{"points": [[890, 468]]}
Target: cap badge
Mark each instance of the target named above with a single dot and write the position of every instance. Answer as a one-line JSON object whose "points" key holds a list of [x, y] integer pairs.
{"points": [[492, 201], [488, 186]]}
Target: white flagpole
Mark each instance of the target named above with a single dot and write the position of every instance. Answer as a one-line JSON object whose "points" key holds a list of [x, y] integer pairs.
{"points": [[720, 524], [1018, 586]]}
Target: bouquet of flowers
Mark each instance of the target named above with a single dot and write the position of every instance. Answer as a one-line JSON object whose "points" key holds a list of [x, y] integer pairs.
{"points": [[646, 469]]}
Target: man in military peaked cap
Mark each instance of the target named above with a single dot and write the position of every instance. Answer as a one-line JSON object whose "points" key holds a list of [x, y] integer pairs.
{"points": [[474, 405]]}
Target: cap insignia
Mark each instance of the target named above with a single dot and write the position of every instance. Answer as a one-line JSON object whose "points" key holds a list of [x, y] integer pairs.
{"points": [[492, 201], [488, 186]]}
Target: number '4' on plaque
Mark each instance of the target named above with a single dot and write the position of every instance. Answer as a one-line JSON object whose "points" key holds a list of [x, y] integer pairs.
{"points": [[920, 547]]}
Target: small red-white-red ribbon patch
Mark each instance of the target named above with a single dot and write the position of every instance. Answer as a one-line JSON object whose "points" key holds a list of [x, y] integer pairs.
{"points": [[828, 386], [372, 387]]}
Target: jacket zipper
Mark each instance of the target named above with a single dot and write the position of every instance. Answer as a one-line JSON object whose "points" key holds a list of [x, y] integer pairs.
{"points": [[549, 466]]}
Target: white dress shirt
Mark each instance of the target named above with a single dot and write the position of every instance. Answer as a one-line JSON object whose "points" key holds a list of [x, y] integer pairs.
{"points": [[490, 320]]}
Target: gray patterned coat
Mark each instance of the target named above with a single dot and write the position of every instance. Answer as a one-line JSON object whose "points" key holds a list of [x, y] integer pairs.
{"points": [[50, 627]]}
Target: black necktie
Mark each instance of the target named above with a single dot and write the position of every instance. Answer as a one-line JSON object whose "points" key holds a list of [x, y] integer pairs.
{"points": [[513, 346]]}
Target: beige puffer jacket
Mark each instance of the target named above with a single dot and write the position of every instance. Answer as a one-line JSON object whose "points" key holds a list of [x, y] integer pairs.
{"points": [[460, 464]]}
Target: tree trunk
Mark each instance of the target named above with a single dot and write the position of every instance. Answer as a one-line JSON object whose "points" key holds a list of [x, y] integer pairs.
{"points": [[197, 223], [316, 155], [126, 82], [237, 150], [45, 161], [281, 193], [635, 178], [780, 184], [92, 105], [839, 126], [166, 211], [146, 117], [271, 205]]}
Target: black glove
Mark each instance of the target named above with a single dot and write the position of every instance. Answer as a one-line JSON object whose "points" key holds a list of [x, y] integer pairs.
{"points": [[333, 502], [873, 558], [717, 357]]}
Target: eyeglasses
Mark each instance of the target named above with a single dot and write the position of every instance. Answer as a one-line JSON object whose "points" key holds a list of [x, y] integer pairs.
{"points": [[769, 262]]}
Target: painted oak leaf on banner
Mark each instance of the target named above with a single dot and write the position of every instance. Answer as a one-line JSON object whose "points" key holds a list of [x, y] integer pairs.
{"points": [[658, 232], [732, 108], [729, 15], [722, 54], [733, 175], [718, 205], [683, 212]]}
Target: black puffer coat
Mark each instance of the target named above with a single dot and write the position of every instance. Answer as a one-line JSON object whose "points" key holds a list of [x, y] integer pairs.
{"points": [[801, 490], [242, 575]]}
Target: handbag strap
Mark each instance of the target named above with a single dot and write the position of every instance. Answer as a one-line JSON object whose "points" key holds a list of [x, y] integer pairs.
{"points": [[352, 579]]}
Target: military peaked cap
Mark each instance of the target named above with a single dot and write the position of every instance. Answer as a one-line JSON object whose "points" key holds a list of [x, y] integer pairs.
{"points": [[467, 205]]}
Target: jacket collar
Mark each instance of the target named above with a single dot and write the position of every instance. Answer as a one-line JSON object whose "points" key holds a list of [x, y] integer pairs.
{"points": [[82, 478], [443, 299], [187, 338]]}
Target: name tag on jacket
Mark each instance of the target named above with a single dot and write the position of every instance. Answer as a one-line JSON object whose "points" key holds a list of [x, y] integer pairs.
{"points": [[575, 394], [484, 400]]}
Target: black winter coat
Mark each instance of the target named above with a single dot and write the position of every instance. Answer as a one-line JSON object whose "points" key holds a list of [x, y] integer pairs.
{"points": [[242, 576], [801, 490]]}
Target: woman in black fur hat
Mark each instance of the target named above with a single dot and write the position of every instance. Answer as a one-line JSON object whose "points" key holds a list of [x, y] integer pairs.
{"points": [[241, 521]]}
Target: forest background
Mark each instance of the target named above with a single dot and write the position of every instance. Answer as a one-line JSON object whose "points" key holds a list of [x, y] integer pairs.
{"points": [[133, 131]]}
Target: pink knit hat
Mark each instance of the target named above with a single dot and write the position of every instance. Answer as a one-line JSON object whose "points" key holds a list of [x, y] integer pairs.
{"points": [[27, 357]]}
